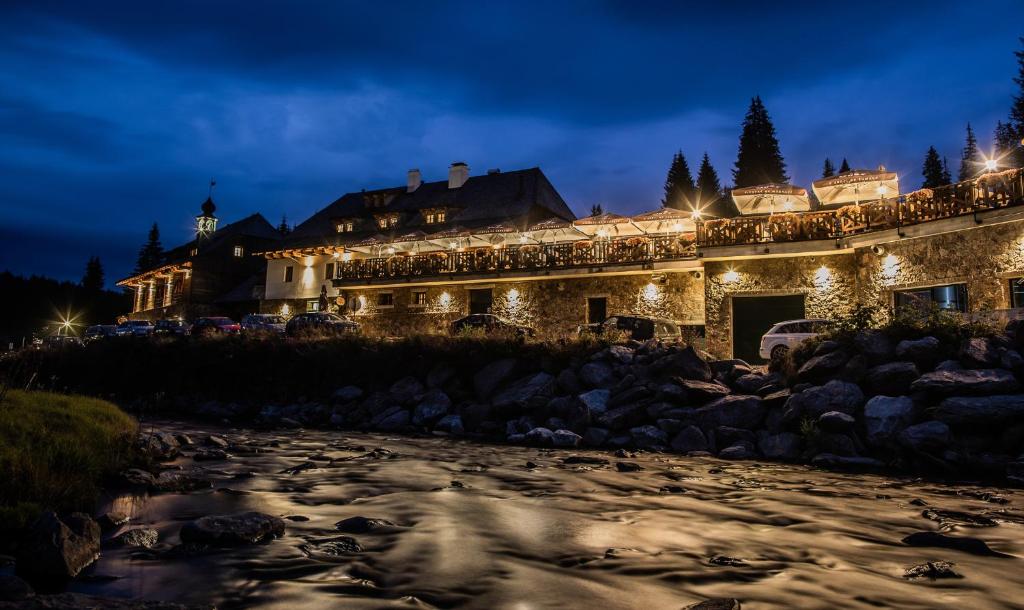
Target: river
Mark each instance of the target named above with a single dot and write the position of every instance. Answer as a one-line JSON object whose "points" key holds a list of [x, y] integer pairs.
{"points": [[476, 527]]}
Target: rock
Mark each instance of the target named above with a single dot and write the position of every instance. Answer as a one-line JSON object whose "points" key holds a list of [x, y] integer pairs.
{"points": [[566, 438], [783, 446], [846, 462], [743, 450], [399, 419], [434, 405], [700, 392], [620, 353], [875, 345], [955, 517], [567, 382], [716, 603], [824, 366], [209, 455], [440, 374], [596, 401], [233, 530], [974, 546], [143, 537], [138, 477], [690, 439], [980, 410], [836, 421], [648, 437], [835, 395], [56, 549], [620, 418], [597, 375], [540, 436], [14, 589], [979, 353], [452, 424], [333, 549], [112, 520], [776, 399], [966, 382], [726, 435], [217, 441], [347, 394], [931, 436], [735, 411], [517, 395], [671, 392], [885, 417], [932, 570], [585, 459], [949, 365], [627, 467], [750, 383], [159, 446], [923, 352], [595, 437], [890, 379], [687, 364], [629, 395], [487, 379], [182, 480], [363, 525], [837, 444], [406, 390]]}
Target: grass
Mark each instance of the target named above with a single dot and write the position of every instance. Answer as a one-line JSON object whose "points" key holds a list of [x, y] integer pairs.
{"points": [[55, 450]]}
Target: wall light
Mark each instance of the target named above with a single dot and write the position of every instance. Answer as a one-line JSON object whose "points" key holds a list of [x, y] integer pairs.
{"points": [[890, 267], [346, 256], [822, 278], [444, 301], [651, 292], [731, 276]]}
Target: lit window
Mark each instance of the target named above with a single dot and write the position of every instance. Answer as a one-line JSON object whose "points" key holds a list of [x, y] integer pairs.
{"points": [[194, 251], [313, 305], [434, 217], [1017, 292], [952, 297], [419, 298], [238, 251], [346, 226], [385, 299], [387, 221], [329, 271], [289, 273]]}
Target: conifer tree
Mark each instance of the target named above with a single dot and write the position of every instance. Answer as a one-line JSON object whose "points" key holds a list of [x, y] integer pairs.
{"points": [[93, 279], [678, 184], [1006, 141], [1017, 114], [759, 159], [932, 169], [969, 157], [283, 228], [596, 210], [947, 178], [152, 253], [845, 167], [829, 170], [708, 195]]}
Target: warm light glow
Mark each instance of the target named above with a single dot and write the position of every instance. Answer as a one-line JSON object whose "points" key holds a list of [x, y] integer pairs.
{"points": [[991, 165], [602, 233], [286, 310], [444, 301], [883, 191], [678, 227], [731, 276], [308, 261], [696, 214], [307, 277], [788, 206], [337, 254], [523, 239], [346, 256], [822, 278], [390, 250], [890, 267], [651, 292], [452, 245], [513, 294]]}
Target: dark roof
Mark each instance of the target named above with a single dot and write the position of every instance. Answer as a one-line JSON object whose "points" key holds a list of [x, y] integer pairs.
{"points": [[249, 290], [254, 225], [522, 197]]}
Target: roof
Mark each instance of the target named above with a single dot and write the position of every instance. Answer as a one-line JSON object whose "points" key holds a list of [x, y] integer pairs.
{"points": [[520, 197], [254, 225]]}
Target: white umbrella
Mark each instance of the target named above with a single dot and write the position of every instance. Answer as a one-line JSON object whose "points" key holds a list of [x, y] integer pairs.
{"points": [[554, 230], [665, 220], [771, 199], [607, 225], [855, 186]]}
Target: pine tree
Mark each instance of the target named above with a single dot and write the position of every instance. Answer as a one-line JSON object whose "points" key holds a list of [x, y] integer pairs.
{"points": [[93, 278], [932, 170], [708, 196], [678, 184], [283, 228], [1006, 144], [947, 178], [969, 157], [829, 170], [596, 210], [152, 253], [759, 159], [845, 167], [1017, 114]]}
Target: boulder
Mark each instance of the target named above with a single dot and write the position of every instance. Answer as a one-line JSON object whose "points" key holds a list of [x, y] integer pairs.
{"points": [[347, 394], [568, 383], [566, 438], [835, 395], [56, 549], [159, 446], [210, 455], [452, 424], [518, 394], [782, 446], [689, 439], [875, 345], [824, 366], [487, 379], [966, 382], [542, 437], [929, 437], [233, 530], [700, 392], [949, 365], [648, 437], [399, 419], [979, 353], [440, 374], [597, 375], [890, 379], [726, 435], [742, 450], [14, 589], [138, 477], [715, 603], [143, 537], [836, 422], [981, 410], [622, 417], [687, 364], [924, 351], [595, 437], [735, 411], [112, 520], [363, 525], [406, 390], [596, 401], [182, 480], [826, 347], [837, 444], [621, 354], [434, 405], [751, 383], [885, 417]]}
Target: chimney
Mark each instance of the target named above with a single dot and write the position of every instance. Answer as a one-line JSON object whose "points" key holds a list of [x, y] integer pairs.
{"points": [[415, 180], [458, 173]]}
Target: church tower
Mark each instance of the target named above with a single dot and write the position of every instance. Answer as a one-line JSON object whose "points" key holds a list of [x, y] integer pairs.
{"points": [[206, 223]]}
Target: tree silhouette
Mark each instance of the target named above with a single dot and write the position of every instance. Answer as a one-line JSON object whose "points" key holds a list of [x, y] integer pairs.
{"points": [[678, 184], [93, 279], [152, 253], [844, 167], [932, 169], [283, 228], [969, 157], [596, 210], [829, 170], [759, 159]]}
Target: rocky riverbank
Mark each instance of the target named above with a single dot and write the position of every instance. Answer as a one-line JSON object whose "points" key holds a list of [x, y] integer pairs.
{"points": [[870, 402]]}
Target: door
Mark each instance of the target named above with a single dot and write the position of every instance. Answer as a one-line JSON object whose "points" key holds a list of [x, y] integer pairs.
{"points": [[480, 300], [753, 316], [597, 310]]}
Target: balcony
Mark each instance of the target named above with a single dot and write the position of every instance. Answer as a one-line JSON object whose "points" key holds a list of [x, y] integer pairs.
{"points": [[521, 258], [989, 192]]}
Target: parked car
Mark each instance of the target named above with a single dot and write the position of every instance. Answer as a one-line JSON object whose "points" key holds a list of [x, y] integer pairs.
{"points": [[320, 322], [488, 323], [640, 328], [784, 336], [100, 331], [59, 340], [173, 327], [263, 322], [135, 328], [214, 325]]}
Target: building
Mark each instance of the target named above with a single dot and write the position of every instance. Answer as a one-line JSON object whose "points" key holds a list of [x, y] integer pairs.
{"points": [[214, 273], [410, 259]]}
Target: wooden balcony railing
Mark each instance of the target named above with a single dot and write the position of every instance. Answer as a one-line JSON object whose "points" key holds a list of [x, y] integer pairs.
{"points": [[617, 251], [989, 192]]}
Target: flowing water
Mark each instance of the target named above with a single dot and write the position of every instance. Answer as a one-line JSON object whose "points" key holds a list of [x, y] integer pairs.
{"points": [[477, 528]]}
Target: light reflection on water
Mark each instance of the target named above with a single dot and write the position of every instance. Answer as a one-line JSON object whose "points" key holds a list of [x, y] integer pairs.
{"points": [[563, 536]]}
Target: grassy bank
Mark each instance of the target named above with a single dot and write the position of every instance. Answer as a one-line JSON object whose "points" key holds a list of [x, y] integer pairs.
{"points": [[55, 450]]}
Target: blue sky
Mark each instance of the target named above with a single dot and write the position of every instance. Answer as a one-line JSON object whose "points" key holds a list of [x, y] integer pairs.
{"points": [[114, 115]]}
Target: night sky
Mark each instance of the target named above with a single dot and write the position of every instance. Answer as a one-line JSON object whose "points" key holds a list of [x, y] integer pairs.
{"points": [[115, 115]]}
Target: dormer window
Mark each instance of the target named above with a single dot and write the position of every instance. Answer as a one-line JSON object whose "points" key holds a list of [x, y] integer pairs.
{"points": [[239, 251], [386, 221], [435, 216], [345, 226]]}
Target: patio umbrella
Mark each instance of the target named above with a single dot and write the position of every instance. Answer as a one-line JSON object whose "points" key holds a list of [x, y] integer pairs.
{"points": [[665, 220], [607, 225], [771, 198], [554, 230], [856, 186]]}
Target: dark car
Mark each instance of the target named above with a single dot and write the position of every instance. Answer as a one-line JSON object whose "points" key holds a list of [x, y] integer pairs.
{"points": [[263, 322], [100, 331], [174, 327], [489, 323], [134, 328], [640, 328], [320, 322], [214, 326]]}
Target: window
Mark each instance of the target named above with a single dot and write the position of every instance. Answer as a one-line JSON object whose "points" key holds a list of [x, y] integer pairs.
{"points": [[387, 221], [385, 300], [239, 251], [419, 298], [313, 305], [193, 251], [1017, 292], [346, 226], [289, 273], [329, 271], [952, 297], [597, 309], [480, 300], [434, 216]]}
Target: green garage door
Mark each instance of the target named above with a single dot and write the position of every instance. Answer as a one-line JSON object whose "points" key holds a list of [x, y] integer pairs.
{"points": [[753, 316]]}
